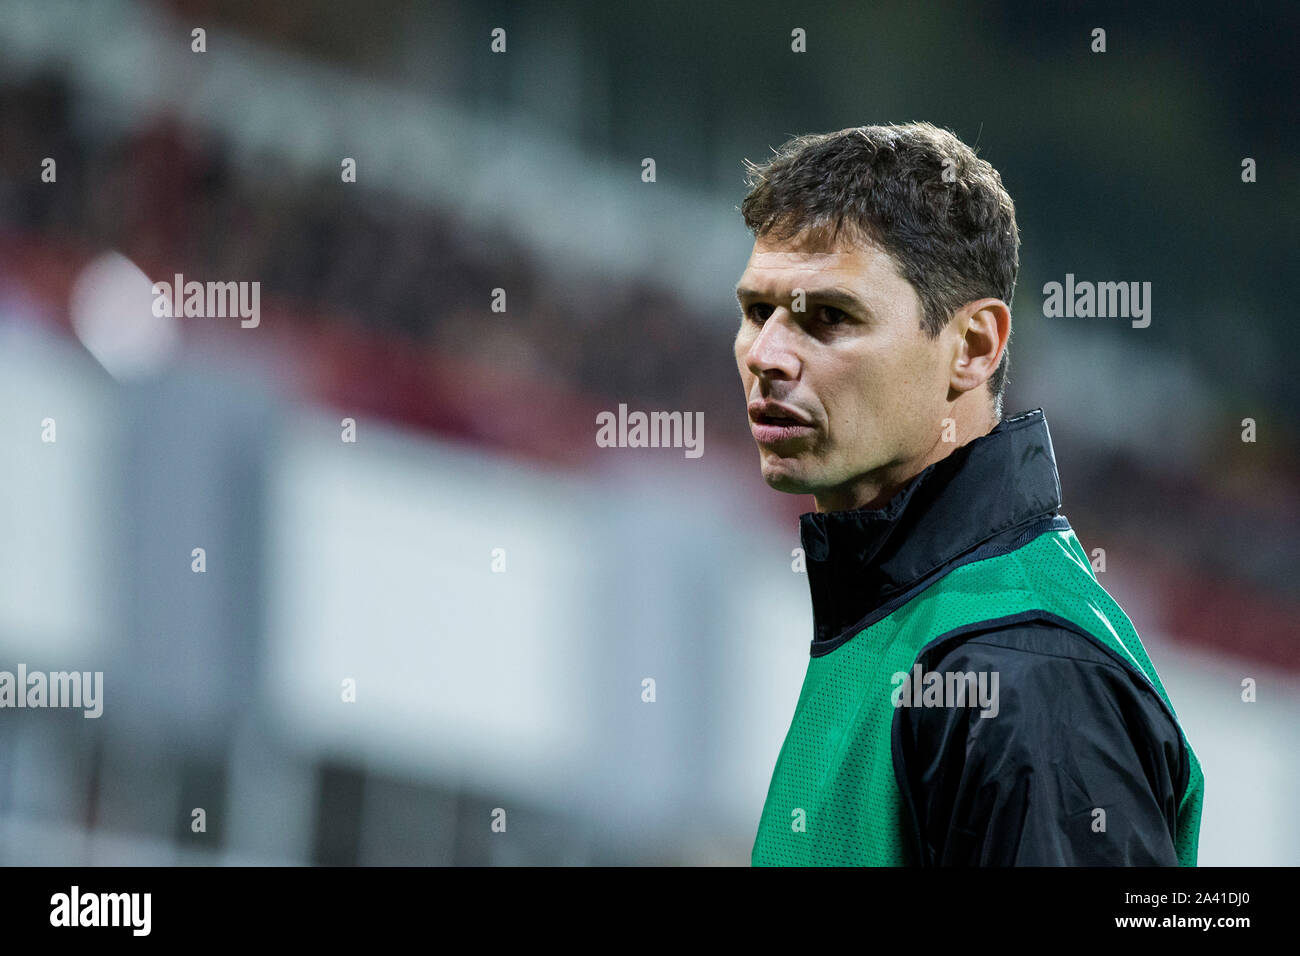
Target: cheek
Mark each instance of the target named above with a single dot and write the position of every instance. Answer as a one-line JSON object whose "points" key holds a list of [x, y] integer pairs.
{"points": [[868, 394], [741, 349], [743, 368], [915, 369], [846, 401]]}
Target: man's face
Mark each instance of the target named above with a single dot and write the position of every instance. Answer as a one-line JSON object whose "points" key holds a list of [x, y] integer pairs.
{"points": [[869, 386]]}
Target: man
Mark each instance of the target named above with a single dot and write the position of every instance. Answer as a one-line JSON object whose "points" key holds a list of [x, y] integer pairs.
{"points": [[974, 696]]}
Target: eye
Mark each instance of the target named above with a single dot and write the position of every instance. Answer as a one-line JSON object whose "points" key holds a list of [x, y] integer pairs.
{"points": [[832, 316], [758, 312]]}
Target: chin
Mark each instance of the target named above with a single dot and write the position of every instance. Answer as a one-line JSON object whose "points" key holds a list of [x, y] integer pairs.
{"points": [[783, 479]]}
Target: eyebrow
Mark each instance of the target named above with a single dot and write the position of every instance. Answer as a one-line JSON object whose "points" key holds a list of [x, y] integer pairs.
{"points": [[837, 298]]}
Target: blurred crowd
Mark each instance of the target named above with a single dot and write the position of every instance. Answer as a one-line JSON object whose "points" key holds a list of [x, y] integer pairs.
{"points": [[348, 259]]}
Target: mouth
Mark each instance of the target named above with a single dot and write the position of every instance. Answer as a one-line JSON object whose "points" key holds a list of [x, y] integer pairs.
{"points": [[770, 428], [772, 423]]}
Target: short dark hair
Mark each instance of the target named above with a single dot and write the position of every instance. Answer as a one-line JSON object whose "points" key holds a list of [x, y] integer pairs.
{"points": [[915, 190]]}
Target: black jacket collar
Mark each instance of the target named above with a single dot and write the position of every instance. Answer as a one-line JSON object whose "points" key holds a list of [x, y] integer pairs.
{"points": [[985, 492]]}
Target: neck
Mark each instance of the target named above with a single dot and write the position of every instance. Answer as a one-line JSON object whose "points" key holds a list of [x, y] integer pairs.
{"points": [[876, 488], [984, 495]]}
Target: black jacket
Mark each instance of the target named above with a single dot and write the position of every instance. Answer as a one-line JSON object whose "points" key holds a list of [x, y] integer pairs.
{"points": [[1076, 729]]}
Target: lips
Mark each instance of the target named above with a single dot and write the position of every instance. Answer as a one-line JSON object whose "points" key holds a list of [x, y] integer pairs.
{"points": [[772, 422], [774, 413]]}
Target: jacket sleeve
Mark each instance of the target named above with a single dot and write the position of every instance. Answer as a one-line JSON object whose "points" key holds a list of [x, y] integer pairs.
{"points": [[1082, 764]]}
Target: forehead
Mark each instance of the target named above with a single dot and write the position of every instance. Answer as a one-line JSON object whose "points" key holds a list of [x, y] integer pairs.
{"points": [[856, 263]]}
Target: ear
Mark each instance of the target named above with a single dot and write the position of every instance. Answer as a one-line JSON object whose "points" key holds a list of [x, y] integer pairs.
{"points": [[984, 327]]}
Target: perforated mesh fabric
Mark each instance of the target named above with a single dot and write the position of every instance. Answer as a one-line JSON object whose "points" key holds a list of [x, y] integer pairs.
{"points": [[835, 774]]}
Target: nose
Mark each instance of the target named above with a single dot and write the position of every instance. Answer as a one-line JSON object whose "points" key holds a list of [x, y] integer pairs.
{"points": [[772, 354]]}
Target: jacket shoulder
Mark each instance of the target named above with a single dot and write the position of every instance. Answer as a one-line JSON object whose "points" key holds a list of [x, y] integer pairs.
{"points": [[1073, 729]]}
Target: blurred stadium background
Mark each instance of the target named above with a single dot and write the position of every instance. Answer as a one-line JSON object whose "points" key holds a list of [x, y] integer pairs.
{"points": [[475, 429]]}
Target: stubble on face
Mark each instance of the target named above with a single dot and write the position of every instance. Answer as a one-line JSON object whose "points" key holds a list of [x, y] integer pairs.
{"points": [[869, 379]]}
